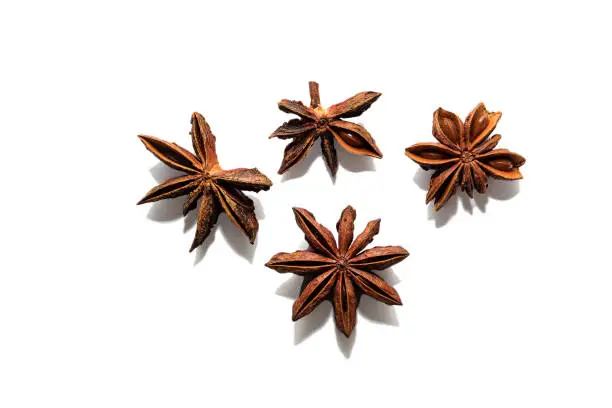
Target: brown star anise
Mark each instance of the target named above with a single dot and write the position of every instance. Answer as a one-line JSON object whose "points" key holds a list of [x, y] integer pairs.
{"points": [[340, 273], [465, 155], [219, 189], [327, 124]]}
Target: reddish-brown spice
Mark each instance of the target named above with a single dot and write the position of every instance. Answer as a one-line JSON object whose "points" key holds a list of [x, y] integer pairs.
{"points": [[340, 272], [465, 155], [219, 190], [316, 122]]}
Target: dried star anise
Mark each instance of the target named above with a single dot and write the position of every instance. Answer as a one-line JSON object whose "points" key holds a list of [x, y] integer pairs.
{"points": [[465, 155], [317, 122], [339, 272], [219, 189]]}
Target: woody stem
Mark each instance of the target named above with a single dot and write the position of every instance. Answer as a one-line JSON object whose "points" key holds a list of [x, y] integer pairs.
{"points": [[315, 99]]}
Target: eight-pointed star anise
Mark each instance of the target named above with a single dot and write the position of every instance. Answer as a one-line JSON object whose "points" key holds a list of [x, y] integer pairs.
{"points": [[339, 272], [219, 189], [465, 155], [317, 122]]}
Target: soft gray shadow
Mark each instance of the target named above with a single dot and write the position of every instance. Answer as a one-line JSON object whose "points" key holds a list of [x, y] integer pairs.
{"points": [[498, 190], [172, 209], [190, 220], [201, 251], [368, 308], [161, 172], [378, 312], [165, 210], [481, 201], [311, 323], [259, 210], [236, 239], [345, 344], [466, 203], [444, 214], [290, 288], [302, 167], [348, 161], [503, 190], [354, 162], [421, 179], [389, 276]]}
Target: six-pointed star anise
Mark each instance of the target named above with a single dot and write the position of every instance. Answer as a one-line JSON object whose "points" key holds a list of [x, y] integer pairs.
{"points": [[465, 155], [219, 189], [339, 272], [317, 122]]}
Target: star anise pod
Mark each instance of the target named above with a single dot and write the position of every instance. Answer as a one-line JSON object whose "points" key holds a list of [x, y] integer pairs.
{"points": [[219, 190], [339, 272], [465, 155], [316, 122]]}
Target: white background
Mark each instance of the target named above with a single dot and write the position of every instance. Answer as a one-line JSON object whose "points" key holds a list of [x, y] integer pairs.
{"points": [[507, 298]]}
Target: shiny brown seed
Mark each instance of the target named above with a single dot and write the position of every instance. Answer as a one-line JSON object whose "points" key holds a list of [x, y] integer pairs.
{"points": [[479, 125], [433, 155], [501, 164], [353, 140]]}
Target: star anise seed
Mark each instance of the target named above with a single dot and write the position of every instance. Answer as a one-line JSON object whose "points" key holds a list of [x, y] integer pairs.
{"points": [[340, 272], [465, 156], [316, 122], [218, 189]]}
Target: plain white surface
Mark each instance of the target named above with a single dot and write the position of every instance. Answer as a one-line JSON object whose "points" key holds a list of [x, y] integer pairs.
{"points": [[507, 299]]}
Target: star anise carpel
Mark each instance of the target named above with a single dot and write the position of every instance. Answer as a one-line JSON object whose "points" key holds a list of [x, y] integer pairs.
{"points": [[466, 155], [340, 272], [218, 190], [328, 125]]}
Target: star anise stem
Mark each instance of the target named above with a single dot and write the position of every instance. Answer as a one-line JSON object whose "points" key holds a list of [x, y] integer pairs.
{"points": [[315, 97]]}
